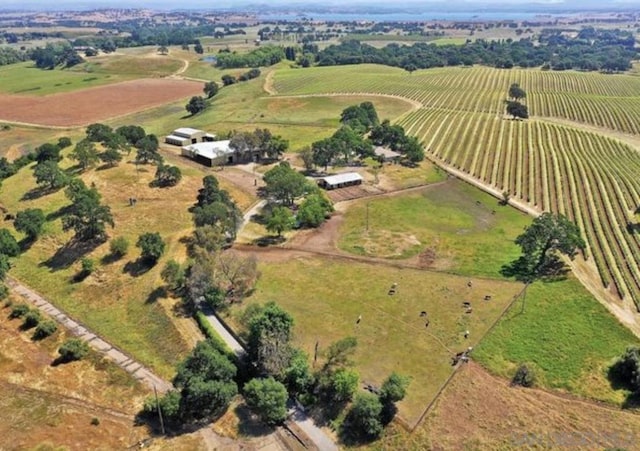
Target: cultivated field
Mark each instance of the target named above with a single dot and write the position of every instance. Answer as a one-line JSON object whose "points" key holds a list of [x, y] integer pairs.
{"points": [[97, 104], [586, 175]]}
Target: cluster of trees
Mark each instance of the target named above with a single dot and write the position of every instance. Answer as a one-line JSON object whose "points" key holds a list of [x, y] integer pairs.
{"points": [[228, 79], [279, 368], [260, 140], [33, 319], [395, 138], [514, 104], [60, 54], [284, 185], [205, 385], [9, 55], [351, 139], [262, 56], [557, 52]]}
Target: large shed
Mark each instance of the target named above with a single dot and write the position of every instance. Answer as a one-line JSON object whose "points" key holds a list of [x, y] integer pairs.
{"points": [[214, 153], [340, 180], [185, 136]]}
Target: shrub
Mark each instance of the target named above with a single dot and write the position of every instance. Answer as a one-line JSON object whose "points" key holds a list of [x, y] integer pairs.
{"points": [[45, 329], [19, 310], [88, 266], [119, 246], [31, 319], [73, 349], [524, 376], [4, 291], [95, 421], [152, 247]]}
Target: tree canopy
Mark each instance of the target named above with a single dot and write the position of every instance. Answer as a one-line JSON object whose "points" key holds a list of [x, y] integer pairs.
{"points": [[268, 398], [269, 349], [285, 184], [86, 215]]}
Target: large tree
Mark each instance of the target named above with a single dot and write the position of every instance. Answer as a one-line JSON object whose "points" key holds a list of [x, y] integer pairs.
{"points": [[85, 153], [49, 175], [148, 150], [196, 105], [363, 419], [269, 349], [151, 246], [516, 92], [280, 220], [284, 184], [211, 89], [30, 222], [517, 109], [86, 215], [268, 398]]}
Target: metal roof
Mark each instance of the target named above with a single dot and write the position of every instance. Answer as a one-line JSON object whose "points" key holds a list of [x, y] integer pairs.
{"points": [[342, 178], [186, 131], [211, 149], [386, 152]]}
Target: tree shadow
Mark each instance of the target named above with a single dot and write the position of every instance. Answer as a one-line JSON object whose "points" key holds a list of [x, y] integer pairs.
{"points": [[68, 254], [137, 267], [269, 240], [250, 425], [80, 276], [25, 244], [60, 212], [110, 258], [633, 227], [158, 293], [618, 376], [37, 193]]}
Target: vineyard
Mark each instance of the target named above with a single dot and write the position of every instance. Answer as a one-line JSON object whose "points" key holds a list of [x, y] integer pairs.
{"points": [[609, 101], [586, 176]]}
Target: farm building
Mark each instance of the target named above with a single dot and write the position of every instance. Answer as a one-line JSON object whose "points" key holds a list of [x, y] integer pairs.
{"points": [[217, 153], [386, 154], [185, 136], [214, 153], [340, 180]]}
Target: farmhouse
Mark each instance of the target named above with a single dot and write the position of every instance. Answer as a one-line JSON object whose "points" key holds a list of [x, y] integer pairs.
{"points": [[184, 136], [385, 154], [340, 180]]}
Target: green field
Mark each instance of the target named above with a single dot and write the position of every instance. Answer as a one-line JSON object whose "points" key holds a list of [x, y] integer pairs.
{"points": [[246, 106], [26, 79], [568, 337], [466, 231], [326, 296]]}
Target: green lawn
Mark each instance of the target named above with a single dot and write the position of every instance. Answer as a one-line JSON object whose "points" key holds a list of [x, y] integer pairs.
{"points": [[569, 337], [326, 296], [466, 229]]}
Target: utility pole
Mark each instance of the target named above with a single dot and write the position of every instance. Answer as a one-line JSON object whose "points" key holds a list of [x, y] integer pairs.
{"points": [[159, 409], [367, 216]]}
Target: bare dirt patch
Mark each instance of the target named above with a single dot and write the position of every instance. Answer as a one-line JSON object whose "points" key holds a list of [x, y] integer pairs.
{"points": [[95, 104], [480, 411]]}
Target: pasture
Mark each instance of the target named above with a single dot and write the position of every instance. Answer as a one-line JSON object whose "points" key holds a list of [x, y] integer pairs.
{"points": [[587, 174], [452, 227], [326, 296]]}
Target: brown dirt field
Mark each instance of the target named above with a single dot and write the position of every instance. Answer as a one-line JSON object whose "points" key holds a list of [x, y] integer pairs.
{"points": [[480, 411], [95, 104]]}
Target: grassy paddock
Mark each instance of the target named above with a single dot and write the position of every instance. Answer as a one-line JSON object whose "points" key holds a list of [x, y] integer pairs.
{"points": [[454, 220], [569, 337], [326, 297]]}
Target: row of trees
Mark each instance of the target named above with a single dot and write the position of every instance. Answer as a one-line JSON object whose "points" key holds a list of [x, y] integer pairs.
{"points": [[262, 56], [198, 104], [556, 54]]}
